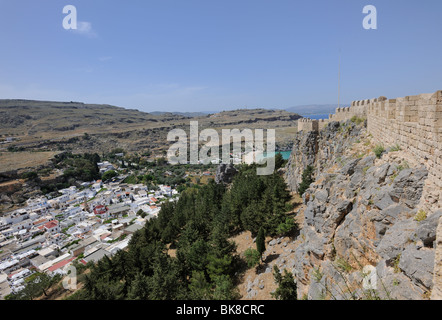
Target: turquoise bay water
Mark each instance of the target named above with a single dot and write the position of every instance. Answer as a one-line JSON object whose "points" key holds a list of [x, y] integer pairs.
{"points": [[285, 155], [317, 116]]}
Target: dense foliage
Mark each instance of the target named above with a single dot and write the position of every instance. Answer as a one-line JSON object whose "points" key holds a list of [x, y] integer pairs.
{"points": [[35, 286], [307, 180], [76, 167], [79, 167], [186, 253], [287, 288]]}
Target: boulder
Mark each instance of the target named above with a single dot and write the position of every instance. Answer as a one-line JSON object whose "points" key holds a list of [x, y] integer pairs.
{"points": [[407, 186], [427, 228], [418, 265], [225, 173], [396, 238], [396, 286]]}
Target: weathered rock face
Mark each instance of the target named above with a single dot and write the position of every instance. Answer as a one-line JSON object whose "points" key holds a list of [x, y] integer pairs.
{"points": [[315, 149], [225, 173], [361, 212], [303, 154], [436, 293]]}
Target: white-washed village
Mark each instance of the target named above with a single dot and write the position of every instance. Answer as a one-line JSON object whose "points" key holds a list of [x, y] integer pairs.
{"points": [[82, 224]]}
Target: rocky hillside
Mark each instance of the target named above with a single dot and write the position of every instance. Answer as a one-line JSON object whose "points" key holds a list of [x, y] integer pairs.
{"points": [[78, 127], [362, 211]]}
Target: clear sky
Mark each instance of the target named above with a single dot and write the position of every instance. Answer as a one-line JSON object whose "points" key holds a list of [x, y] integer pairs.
{"points": [[204, 55]]}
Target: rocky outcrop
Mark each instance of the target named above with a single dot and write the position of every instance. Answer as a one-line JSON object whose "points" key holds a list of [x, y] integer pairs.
{"points": [[361, 212], [8, 175], [316, 148], [436, 294], [225, 173]]}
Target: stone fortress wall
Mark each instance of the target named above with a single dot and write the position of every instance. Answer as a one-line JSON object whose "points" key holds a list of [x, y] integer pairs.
{"points": [[306, 124], [412, 122], [415, 124]]}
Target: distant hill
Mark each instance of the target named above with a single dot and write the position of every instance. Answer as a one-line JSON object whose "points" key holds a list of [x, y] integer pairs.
{"points": [[314, 109], [184, 114], [28, 117], [28, 125]]}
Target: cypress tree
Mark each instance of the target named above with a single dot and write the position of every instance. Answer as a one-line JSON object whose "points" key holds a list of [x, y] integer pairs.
{"points": [[260, 242]]}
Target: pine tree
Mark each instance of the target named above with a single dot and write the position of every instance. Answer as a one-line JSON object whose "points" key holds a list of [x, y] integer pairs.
{"points": [[307, 180], [139, 289], [279, 161], [199, 287], [287, 289], [252, 257]]}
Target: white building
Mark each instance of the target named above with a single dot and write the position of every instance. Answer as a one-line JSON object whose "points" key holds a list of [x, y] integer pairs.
{"points": [[22, 225], [39, 204], [7, 232], [54, 239], [97, 186], [84, 227], [60, 201], [166, 190], [72, 210], [69, 191], [16, 217]]}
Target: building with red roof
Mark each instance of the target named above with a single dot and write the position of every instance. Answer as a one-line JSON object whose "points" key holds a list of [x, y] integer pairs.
{"points": [[100, 210], [52, 227], [57, 268]]}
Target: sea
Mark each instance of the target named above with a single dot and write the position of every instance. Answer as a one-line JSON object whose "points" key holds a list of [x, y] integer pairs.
{"points": [[285, 154], [316, 116]]}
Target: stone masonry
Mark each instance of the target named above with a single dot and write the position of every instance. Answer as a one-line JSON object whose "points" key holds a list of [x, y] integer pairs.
{"points": [[306, 124], [413, 122]]}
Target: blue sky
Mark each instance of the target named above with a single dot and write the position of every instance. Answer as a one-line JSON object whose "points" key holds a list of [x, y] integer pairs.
{"points": [[203, 55]]}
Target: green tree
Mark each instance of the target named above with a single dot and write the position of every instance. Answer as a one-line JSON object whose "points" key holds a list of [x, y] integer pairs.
{"points": [[164, 284], [109, 175], [287, 227], [218, 266], [260, 242], [199, 287], [307, 180], [287, 289], [279, 161], [254, 216], [139, 289], [35, 285], [225, 289], [252, 257]]}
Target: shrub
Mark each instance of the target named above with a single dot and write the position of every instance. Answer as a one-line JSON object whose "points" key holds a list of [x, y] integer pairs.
{"points": [[343, 265], [420, 216], [357, 120], [109, 175], [286, 227], [403, 165], [30, 175], [379, 150], [252, 257], [396, 147]]}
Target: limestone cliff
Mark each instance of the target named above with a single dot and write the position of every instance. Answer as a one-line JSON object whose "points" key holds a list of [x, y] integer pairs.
{"points": [[366, 233], [437, 279]]}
